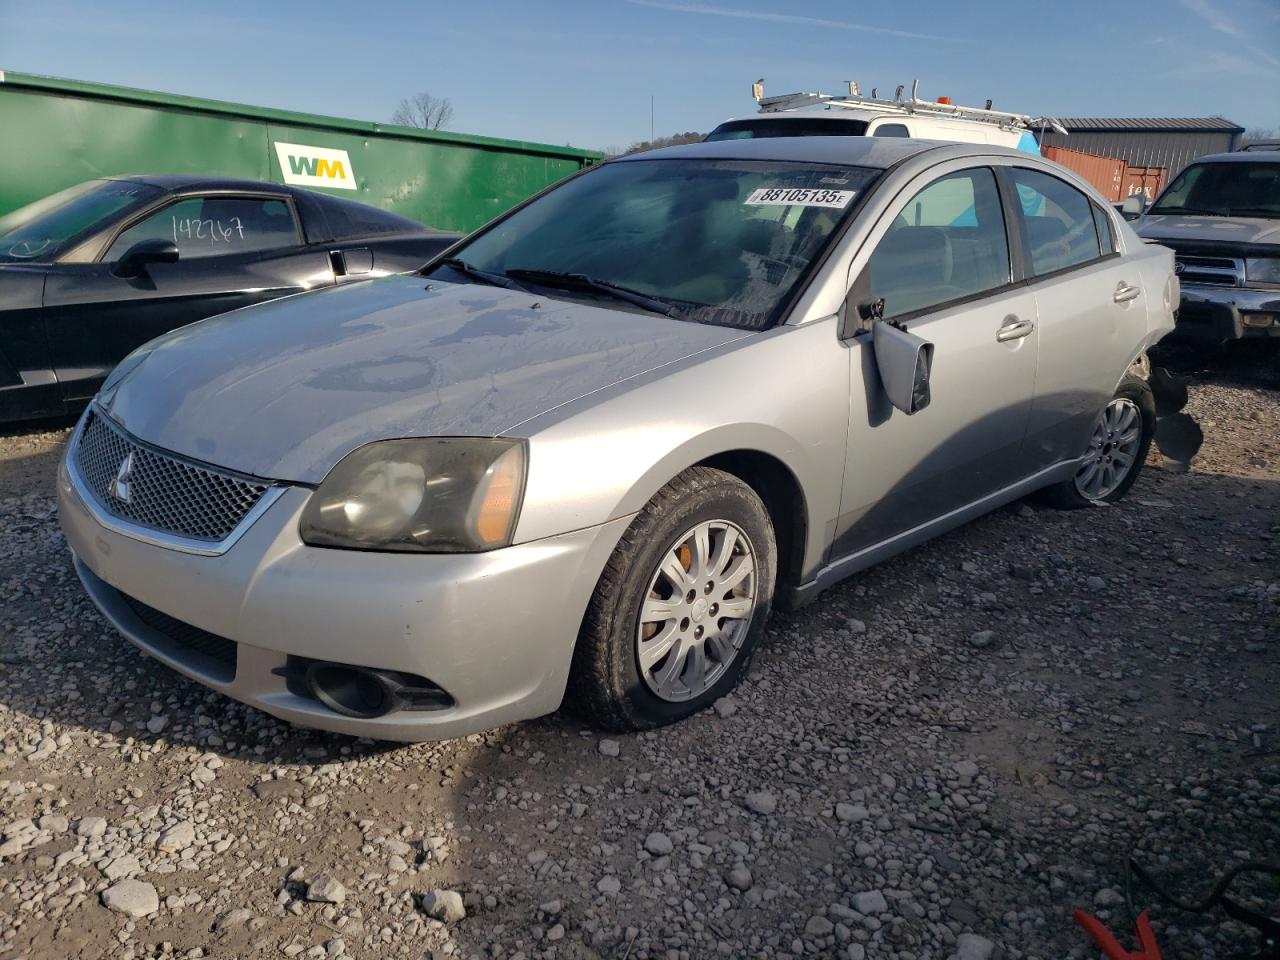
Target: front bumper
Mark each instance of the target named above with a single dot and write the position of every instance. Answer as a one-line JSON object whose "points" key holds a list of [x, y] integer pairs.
{"points": [[494, 630], [1218, 313]]}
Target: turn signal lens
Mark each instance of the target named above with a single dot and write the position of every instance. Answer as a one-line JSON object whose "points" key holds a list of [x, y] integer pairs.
{"points": [[498, 497]]}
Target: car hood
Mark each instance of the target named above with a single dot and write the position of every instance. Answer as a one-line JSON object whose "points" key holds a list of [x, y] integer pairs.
{"points": [[1209, 229], [284, 390]]}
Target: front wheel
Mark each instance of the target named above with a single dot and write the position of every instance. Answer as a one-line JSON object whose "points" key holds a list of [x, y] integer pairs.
{"points": [[1117, 449], [680, 607]]}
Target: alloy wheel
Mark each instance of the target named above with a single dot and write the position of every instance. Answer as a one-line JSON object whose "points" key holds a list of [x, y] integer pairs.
{"points": [[696, 611], [1112, 452]]}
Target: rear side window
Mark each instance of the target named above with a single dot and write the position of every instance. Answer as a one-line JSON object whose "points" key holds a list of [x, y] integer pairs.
{"points": [[1059, 222], [948, 243], [350, 220], [214, 227], [891, 130], [792, 127]]}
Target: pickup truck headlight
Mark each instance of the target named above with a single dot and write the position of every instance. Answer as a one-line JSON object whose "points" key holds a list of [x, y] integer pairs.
{"points": [[1262, 269], [442, 495]]}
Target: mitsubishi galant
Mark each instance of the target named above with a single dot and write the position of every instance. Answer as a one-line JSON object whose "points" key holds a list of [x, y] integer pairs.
{"points": [[587, 449]]}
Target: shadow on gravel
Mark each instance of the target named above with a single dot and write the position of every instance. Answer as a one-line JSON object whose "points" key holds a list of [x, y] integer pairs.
{"points": [[1241, 363]]}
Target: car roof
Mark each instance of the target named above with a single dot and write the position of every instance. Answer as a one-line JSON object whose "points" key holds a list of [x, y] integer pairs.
{"points": [[188, 181], [875, 152], [1241, 156]]}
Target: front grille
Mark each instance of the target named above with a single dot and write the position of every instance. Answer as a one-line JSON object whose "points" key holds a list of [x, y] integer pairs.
{"points": [[199, 649], [1217, 271], [159, 490]]}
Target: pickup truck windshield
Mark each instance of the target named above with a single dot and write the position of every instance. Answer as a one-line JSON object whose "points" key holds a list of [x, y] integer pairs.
{"points": [[43, 229], [714, 241], [1234, 189]]}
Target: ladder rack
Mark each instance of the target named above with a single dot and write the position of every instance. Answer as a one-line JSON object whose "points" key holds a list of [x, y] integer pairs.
{"points": [[909, 105]]}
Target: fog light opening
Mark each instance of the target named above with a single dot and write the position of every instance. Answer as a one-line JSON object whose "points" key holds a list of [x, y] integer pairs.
{"points": [[351, 691]]}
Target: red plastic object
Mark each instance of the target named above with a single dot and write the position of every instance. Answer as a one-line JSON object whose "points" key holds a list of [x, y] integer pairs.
{"points": [[1148, 949]]}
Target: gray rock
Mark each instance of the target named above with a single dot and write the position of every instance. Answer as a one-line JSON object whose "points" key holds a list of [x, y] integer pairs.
{"points": [[91, 827], [970, 946], [444, 905], [725, 707], [818, 927], [982, 639], [122, 867], [131, 897], [856, 626], [739, 878], [609, 886], [610, 748], [659, 844], [178, 837], [326, 889], [157, 724], [965, 768], [1108, 897], [870, 902], [763, 802], [851, 812]]}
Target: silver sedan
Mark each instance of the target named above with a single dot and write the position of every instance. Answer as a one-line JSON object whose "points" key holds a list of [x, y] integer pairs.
{"points": [[586, 451]]}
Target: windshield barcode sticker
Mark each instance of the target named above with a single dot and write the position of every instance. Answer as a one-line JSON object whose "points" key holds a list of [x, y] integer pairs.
{"points": [[800, 197]]}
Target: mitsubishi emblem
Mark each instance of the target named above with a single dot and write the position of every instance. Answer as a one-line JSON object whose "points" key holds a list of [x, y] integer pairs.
{"points": [[120, 485]]}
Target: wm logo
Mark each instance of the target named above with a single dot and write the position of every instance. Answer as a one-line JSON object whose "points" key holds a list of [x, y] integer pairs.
{"points": [[308, 166]]}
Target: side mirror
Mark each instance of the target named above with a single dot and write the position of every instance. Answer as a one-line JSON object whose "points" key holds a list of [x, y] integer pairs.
{"points": [[904, 361], [137, 258], [1134, 206]]}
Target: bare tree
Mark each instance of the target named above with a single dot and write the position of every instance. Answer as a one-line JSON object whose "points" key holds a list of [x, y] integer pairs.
{"points": [[1254, 134], [424, 112]]}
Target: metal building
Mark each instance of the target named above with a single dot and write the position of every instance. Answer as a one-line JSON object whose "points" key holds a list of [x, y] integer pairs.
{"points": [[1148, 141]]}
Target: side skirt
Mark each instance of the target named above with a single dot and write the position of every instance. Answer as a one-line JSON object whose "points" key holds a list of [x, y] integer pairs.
{"points": [[846, 566]]}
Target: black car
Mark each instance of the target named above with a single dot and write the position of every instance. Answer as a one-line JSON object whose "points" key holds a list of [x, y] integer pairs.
{"points": [[88, 274]]}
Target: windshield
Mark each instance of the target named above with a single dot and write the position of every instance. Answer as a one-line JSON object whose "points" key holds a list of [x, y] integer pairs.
{"points": [[716, 241], [42, 230], [796, 127], [1224, 190]]}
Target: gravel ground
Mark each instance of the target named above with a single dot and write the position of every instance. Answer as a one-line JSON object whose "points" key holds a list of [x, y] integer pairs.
{"points": [[940, 758]]}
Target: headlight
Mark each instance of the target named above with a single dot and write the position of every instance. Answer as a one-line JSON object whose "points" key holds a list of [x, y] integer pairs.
{"points": [[445, 495], [1262, 269]]}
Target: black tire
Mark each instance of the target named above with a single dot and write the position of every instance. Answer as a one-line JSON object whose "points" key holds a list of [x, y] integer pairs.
{"points": [[605, 684], [1066, 495]]}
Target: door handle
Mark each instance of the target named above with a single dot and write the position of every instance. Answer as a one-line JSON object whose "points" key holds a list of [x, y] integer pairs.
{"points": [[1014, 329], [1126, 292]]}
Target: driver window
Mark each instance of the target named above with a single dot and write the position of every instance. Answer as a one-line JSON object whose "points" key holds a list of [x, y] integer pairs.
{"points": [[947, 243], [1059, 222], [214, 226]]}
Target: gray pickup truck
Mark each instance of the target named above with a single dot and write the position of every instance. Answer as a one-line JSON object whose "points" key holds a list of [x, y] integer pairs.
{"points": [[1221, 217]]}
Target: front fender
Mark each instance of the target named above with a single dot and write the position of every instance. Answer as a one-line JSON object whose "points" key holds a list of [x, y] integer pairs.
{"points": [[784, 394]]}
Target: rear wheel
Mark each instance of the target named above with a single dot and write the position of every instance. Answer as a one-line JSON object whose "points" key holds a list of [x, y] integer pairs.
{"points": [[680, 607], [1116, 452]]}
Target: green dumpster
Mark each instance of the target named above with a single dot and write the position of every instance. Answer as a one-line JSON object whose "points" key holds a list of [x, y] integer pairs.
{"points": [[55, 133]]}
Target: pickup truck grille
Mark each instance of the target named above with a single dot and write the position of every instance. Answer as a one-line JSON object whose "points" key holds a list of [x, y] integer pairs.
{"points": [[1215, 271]]}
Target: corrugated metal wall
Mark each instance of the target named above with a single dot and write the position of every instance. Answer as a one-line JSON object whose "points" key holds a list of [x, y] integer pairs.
{"points": [[1158, 149]]}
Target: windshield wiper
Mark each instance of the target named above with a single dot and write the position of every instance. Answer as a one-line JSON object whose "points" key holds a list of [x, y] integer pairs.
{"points": [[580, 281], [484, 276], [1194, 211], [1270, 213]]}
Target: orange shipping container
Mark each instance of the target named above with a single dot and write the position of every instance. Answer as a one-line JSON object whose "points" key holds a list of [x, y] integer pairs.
{"points": [[1148, 181], [1105, 173]]}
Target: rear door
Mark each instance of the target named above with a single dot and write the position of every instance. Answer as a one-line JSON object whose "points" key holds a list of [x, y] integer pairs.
{"points": [[942, 268], [1086, 298], [234, 250]]}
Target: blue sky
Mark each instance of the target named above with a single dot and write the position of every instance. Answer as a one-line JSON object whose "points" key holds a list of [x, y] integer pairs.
{"points": [[583, 72]]}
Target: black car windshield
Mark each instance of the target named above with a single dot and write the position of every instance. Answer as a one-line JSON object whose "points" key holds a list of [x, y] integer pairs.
{"points": [[43, 229], [715, 241], [1233, 189], [791, 127]]}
